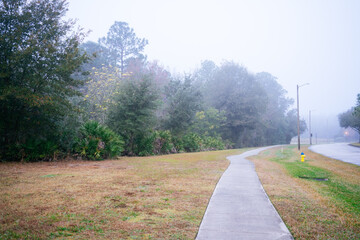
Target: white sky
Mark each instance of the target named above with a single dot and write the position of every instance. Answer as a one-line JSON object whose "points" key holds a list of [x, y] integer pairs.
{"points": [[303, 41]]}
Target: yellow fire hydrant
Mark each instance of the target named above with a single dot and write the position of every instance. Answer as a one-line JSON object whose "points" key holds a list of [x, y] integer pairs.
{"points": [[303, 157]]}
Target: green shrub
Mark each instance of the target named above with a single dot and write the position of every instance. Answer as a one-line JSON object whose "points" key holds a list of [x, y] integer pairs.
{"points": [[37, 149], [192, 142], [97, 142], [163, 142], [144, 145], [178, 144], [213, 143]]}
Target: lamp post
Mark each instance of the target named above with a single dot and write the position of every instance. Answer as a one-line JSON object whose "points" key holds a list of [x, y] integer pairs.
{"points": [[298, 114]]}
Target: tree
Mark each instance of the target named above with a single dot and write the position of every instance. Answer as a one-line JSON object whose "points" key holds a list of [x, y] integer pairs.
{"points": [[209, 122], [133, 114], [357, 108], [123, 44], [39, 52], [98, 53], [350, 119], [205, 73], [274, 128], [182, 101], [99, 91], [237, 93], [291, 125]]}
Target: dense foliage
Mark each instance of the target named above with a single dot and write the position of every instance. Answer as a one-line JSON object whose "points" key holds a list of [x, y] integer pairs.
{"points": [[38, 55], [100, 100], [133, 114], [97, 142]]}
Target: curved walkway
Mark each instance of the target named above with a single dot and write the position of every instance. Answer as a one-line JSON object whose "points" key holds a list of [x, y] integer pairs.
{"points": [[340, 151], [239, 207]]}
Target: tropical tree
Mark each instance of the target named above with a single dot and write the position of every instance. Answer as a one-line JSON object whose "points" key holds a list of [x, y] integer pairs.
{"points": [[39, 53], [123, 45]]}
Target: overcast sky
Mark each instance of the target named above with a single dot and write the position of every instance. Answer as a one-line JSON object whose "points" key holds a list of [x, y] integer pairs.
{"points": [[303, 41]]}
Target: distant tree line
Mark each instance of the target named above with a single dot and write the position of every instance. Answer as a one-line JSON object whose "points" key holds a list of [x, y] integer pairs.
{"points": [[351, 118], [98, 100]]}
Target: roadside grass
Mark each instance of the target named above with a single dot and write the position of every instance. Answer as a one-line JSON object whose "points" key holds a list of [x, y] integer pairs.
{"points": [[160, 197], [355, 144], [318, 198]]}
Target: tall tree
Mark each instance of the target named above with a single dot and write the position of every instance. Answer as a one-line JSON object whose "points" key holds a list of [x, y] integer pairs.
{"points": [[205, 73], [182, 101], [98, 53], [235, 91], [133, 114], [38, 55], [123, 44], [274, 128]]}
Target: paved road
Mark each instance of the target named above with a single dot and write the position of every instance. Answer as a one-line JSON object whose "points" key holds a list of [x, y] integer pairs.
{"points": [[239, 207], [340, 151]]}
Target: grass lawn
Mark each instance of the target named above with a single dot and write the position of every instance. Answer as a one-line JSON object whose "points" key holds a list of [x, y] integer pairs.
{"points": [[318, 198], [161, 197]]}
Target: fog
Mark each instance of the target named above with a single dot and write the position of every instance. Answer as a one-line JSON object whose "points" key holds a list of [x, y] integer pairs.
{"points": [[315, 42]]}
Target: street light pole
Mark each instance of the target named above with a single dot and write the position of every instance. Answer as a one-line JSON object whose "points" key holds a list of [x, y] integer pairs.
{"points": [[298, 112], [298, 117]]}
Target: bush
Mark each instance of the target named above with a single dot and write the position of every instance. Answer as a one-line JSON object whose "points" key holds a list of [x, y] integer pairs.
{"points": [[192, 142], [178, 144], [36, 149], [144, 145], [213, 143], [97, 142], [163, 143]]}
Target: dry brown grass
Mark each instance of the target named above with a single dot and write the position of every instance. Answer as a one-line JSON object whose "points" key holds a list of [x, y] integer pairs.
{"points": [[303, 204], [162, 197]]}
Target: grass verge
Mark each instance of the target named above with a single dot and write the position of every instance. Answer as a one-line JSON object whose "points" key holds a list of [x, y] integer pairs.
{"points": [[318, 198], [355, 144], [162, 197]]}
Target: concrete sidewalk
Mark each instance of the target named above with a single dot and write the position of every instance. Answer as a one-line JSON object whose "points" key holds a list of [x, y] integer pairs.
{"points": [[239, 207]]}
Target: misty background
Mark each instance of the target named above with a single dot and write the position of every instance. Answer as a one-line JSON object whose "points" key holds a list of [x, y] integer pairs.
{"points": [[315, 42]]}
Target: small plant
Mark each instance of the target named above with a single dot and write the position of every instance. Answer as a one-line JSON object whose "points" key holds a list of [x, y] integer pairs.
{"points": [[97, 142]]}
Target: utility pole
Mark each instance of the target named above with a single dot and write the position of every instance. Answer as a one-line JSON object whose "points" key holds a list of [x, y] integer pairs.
{"points": [[298, 116], [298, 112]]}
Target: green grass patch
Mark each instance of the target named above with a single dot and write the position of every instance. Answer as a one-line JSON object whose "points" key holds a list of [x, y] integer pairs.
{"points": [[299, 169], [346, 195]]}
